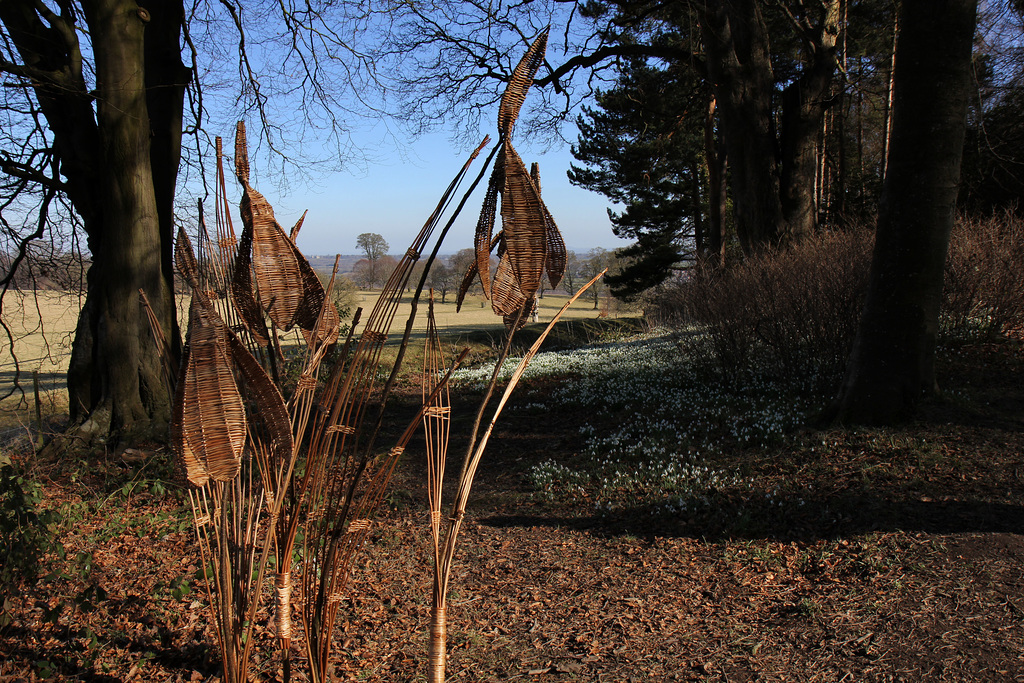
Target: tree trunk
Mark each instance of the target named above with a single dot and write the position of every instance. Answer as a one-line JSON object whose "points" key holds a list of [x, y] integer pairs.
{"points": [[772, 176], [166, 80], [739, 65], [114, 381], [892, 364], [714, 158]]}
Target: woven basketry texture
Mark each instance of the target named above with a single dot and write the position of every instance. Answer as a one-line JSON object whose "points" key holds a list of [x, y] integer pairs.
{"points": [[522, 78], [482, 240], [557, 256], [243, 296], [523, 221], [274, 265], [506, 296], [209, 423]]}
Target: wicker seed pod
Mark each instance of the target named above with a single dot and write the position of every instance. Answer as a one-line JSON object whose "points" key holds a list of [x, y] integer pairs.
{"points": [[314, 299], [286, 285], [485, 226], [522, 78], [212, 414], [275, 266], [195, 471], [524, 223], [506, 296], [557, 255], [242, 292]]}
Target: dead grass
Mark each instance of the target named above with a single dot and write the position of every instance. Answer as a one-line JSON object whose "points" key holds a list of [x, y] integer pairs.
{"points": [[902, 563]]}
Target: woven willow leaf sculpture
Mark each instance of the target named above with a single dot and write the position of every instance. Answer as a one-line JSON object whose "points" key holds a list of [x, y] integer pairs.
{"points": [[344, 477], [211, 423], [529, 242], [286, 286], [231, 432], [519, 85]]}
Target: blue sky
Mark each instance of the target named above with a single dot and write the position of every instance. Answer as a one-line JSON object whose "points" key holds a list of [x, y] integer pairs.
{"points": [[394, 197]]}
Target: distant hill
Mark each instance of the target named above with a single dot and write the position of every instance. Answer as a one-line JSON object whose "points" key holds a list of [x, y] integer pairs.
{"points": [[47, 271], [325, 262]]}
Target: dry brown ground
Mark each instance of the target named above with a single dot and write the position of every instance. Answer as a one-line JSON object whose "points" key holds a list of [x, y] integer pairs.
{"points": [[903, 562]]}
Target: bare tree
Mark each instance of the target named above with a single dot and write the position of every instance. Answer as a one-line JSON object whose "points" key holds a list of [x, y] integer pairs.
{"points": [[573, 273], [442, 278], [94, 112], [597, 260]]}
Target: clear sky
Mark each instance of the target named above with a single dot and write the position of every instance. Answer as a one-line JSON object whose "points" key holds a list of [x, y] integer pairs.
{"points": [[394, 198]]}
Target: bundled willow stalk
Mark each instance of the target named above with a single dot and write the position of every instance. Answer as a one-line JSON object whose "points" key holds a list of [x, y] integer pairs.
{"points": [[445, 536], [240, 442], [528, 245]]}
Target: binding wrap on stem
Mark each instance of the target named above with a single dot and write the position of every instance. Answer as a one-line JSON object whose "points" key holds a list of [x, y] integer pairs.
{"points": [[438, 638], [283, 585]]}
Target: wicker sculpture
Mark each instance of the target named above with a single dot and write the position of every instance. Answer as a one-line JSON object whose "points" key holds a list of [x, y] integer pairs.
{"points": [[528, 243], [240, 442]]}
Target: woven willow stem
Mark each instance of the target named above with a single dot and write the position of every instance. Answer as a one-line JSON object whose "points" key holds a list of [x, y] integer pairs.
{"points": [[283, 588], [442, 570]]}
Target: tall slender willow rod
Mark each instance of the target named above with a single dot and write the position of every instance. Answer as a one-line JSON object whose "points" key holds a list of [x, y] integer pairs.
{"points": [[443, 565]]}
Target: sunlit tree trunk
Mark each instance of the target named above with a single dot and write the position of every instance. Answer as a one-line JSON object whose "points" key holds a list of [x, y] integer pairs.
{"points": [[892, 365], [114, 380]]}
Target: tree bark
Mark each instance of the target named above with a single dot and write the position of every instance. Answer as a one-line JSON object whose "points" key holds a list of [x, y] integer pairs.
{"points": [[773, 170], [892, 364], [715, 160], [740, 68], [114, 380], [166, 81], [804, 104]]}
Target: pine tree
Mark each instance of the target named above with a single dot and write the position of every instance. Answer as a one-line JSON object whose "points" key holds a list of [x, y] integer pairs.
{"points": [[642, 147]]}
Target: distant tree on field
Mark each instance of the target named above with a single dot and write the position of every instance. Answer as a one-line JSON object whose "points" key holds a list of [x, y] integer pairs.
{"points": [[373, 271], [442, 278], [597, 260]]}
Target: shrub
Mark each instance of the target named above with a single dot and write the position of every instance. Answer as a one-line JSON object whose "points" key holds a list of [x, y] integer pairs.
{"points": [[795, 310], [26, 533], [984, 291]]}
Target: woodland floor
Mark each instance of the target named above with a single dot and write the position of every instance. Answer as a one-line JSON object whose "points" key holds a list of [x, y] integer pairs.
{"points": [[883, 555]]}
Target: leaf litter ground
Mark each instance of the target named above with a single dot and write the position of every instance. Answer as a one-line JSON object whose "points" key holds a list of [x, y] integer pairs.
{"points": [[882, 555]]}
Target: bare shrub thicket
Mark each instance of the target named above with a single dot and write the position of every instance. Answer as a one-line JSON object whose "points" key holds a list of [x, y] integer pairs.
{"points": [[984, 289], [795, 310]]}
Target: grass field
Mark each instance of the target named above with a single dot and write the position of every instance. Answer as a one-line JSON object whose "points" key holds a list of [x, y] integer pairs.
{"points": [[40, 327]]}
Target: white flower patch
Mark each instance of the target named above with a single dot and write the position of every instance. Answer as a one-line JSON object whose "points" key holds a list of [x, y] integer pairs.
{"points": [[652, 412]]}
